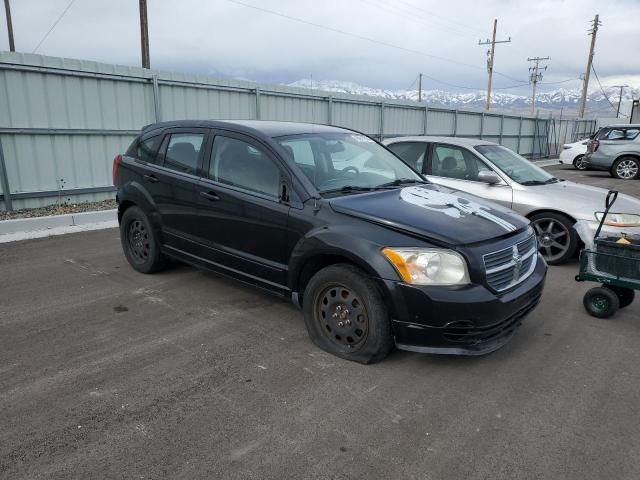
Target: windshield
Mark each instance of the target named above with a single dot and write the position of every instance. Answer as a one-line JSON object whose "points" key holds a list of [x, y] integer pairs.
{"points": [[518, 168], [336, 162]]}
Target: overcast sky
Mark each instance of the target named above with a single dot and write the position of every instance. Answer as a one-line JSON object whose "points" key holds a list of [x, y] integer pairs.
{"points": [[437, 38]]}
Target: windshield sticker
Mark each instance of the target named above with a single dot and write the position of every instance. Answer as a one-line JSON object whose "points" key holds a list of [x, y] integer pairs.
{"points": [[451, 205], [361, 139]]}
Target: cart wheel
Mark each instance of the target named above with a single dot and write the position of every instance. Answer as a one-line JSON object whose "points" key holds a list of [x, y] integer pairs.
{"points": [[601, 302], [625, 295]]}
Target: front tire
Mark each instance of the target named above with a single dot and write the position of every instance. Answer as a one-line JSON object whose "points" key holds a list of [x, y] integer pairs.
{"points": [[579, 164], [626, 168], [601, 302], [345, 314], [139, 242], [557, 239]]}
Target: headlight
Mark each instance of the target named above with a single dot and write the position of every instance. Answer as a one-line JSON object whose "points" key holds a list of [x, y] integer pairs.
{"points": [[620, 219], [428, 266]]}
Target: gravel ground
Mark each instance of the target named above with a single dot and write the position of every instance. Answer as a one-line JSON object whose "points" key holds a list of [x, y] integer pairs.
{"points": [[60, 209]]}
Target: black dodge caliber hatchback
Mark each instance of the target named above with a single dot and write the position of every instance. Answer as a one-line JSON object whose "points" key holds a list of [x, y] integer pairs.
{"points": [[373, 254]]}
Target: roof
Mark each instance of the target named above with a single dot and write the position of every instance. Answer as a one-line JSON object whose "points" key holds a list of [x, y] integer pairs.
{"points": [[623, 125], [460, 141], [256, 127]]}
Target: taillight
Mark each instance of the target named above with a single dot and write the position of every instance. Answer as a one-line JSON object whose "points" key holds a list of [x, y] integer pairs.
{"points": [[116, 163], [594, 145]]}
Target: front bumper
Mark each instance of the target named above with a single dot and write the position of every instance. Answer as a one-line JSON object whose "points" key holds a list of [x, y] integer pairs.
{"points": [[470, 320]]}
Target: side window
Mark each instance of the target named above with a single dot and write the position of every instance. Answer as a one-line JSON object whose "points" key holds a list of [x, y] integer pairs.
{"points": [[146, 149], [615, 134], [456, 162], [411, 152], [238, 163], [182, 152], [631, 133]]}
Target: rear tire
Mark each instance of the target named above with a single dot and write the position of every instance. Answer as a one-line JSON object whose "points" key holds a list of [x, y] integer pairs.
{"points": [[626, 168], [625, 295], [139, 242], [579, 164], [345, 314], [601, 302]]}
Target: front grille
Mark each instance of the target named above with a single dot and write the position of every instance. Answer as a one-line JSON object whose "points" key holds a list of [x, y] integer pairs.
{"points": [[512, 265], [468, 334]]}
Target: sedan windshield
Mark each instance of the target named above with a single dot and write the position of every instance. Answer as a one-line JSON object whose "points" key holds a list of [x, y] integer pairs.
{"points": [[518, 168], [347, 162]]}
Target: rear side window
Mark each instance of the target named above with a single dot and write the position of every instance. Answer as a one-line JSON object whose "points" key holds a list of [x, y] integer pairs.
{"points": [[145, 150], [183, 151], [410, 152], [620, 134]]}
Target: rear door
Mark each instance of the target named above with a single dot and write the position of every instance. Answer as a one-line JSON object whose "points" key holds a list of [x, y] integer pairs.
{"points": [[172, 182], [242, 213], [457, 168]]}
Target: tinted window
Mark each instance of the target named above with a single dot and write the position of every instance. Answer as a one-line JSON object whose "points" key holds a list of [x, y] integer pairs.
{"points": [[455, 162], [238, 163], [410, 152], [145, 150], [183, 151]]}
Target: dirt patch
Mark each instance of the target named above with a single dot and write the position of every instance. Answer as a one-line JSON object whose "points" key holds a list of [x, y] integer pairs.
{"points": [[60, 209]]}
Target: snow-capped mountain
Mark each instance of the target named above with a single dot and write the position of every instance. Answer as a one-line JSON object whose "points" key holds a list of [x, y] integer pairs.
{"points": [[560, 99]]}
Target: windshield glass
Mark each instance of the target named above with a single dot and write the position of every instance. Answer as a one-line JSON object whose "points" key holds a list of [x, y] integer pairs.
{"points": [[518, 168], [346, 161]]}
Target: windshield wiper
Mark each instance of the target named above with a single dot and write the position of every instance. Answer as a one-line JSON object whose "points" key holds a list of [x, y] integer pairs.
{"points": [[401, 181], [552, 180], [534, 182], [348, 189]]}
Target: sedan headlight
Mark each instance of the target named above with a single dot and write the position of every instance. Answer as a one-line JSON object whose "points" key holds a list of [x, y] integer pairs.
{"points": [[620, 219], [428, 266]]}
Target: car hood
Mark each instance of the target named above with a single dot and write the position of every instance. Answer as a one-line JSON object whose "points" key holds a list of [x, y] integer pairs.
{"points": [[433, 212], [579, 201]]}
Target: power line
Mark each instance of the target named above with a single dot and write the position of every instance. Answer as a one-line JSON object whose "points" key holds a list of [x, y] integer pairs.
{"points": [[595, 74], [64, 12], [355, 35], [431, 14]]}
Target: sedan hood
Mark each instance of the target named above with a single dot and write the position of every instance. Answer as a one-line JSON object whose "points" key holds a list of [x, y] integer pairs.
{"points": [[579, 201], [434, 213]]}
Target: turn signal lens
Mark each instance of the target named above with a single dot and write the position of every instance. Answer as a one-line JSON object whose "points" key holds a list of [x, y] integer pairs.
{"points": [[116, 163], [428, 266]]}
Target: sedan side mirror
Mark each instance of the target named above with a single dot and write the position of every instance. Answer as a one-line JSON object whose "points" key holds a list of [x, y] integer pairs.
{"points": [[489, 177]]}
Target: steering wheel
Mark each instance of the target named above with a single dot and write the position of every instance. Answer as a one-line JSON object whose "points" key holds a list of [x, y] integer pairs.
{"points": [[350, 168]]}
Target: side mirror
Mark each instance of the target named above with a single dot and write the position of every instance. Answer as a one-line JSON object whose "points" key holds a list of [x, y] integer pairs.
{"points": [[489, 177]]}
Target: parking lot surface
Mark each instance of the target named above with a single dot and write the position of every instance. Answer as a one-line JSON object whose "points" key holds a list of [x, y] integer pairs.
{"points": [[107, 373]]}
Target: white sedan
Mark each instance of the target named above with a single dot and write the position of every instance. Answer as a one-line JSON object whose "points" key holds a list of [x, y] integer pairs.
{"points": [[573, 154]]}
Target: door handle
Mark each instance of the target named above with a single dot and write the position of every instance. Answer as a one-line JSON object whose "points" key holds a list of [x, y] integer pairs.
{"points": [[151, 178], [210, 196]]}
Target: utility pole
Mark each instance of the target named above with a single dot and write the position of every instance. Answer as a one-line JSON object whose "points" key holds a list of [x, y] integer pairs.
{"points": [[595, 23], [420, 88], [535, 76], [144, 34], [7, 11], [621, 87], [491, 57]]}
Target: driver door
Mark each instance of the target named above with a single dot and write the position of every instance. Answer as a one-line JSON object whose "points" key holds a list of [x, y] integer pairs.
{"points": [[457, 168]]}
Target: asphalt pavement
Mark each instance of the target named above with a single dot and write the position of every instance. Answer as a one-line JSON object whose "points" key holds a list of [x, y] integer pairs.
{"points": [[108, 373]]}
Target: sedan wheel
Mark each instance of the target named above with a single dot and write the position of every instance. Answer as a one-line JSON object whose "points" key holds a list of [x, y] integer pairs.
{"points": [[626, 168], [579, 163], [557, 240]]}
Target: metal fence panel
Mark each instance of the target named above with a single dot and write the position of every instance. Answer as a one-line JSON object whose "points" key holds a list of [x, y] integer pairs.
{"points": [[62, 120]]}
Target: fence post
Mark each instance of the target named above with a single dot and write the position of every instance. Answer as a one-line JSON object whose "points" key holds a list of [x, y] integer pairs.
{"points": [[156, 98], [426, 120], [257, 103], [482, 126], [519, 136], [4, 178], [501, 128], [455, 123], [330, 110], [381, 121]]}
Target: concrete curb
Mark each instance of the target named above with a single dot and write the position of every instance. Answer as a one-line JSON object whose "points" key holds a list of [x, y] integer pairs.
{"points": [[36, 224]]}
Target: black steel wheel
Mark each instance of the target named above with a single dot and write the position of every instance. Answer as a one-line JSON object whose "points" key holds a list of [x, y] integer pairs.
{"points": [[345, 314], [626, 168], [557, 239], [139, 242], [625, 295], [578, 163], [601, 302]]}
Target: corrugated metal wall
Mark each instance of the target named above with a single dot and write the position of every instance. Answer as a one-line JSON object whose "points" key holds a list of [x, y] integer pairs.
{"points": [[62, 120]]}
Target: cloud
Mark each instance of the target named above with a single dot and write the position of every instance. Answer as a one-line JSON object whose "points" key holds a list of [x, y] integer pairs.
{"points": [[225, 38]]}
